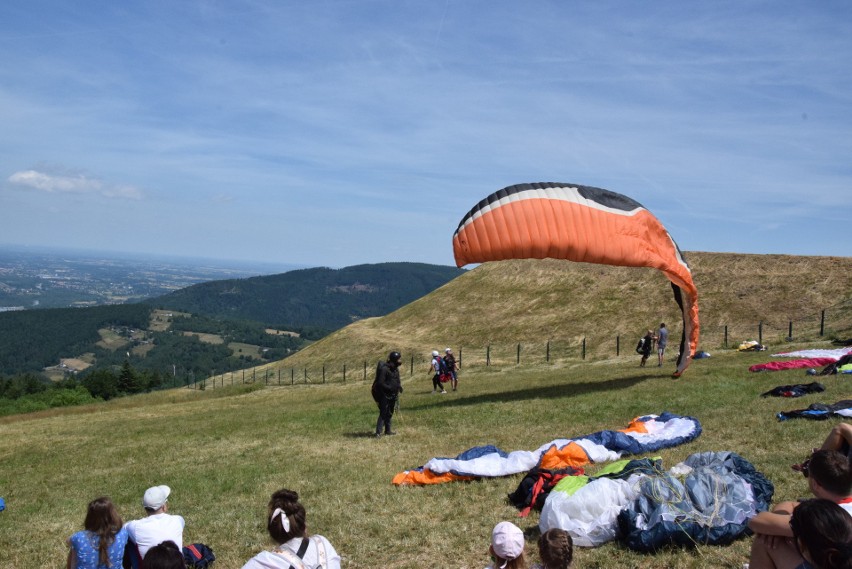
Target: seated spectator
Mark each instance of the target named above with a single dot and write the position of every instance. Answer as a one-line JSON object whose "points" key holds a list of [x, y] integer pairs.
{"points": [[823, 533], [556, 549], [101, 544], [165, 556], [156, 527], [286, 523], [829, 475], [507, 547], [839, 439]]}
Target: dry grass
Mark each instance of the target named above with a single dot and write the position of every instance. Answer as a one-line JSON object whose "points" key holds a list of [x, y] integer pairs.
{"points": [[161, 320], [214, 339], [110, 340], [224, 451], [532, 302]]}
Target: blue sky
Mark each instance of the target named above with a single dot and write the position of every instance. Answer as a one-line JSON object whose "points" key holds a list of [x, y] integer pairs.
{"points": [[343, 132]]}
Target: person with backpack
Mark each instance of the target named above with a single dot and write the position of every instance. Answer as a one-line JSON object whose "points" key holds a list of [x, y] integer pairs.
{"points": [[156, 527], [437, 369], [645, 346], [295, 549], [451, 367], [386, 389]]}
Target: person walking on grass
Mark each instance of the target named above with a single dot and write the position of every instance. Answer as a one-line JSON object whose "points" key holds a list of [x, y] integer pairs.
{"points": [[451, 367], [435, 368], [386, 389], [662, 341], [647, 346]]}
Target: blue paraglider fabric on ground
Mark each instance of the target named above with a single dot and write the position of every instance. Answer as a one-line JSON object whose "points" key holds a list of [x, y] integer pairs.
{"points": [[710, 505]]}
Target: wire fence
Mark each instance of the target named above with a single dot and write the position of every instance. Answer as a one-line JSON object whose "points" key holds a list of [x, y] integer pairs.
{"points": [[826, 324]]}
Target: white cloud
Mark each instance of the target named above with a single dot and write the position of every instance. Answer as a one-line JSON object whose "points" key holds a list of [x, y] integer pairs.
{"points": [[74, 184]]}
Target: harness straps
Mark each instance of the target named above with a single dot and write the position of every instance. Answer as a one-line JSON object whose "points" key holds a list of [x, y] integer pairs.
{"points": [[321, 553], [295, 559]]}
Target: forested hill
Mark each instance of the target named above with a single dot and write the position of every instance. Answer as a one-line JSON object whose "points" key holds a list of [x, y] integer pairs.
{"points": [[319, 297]]}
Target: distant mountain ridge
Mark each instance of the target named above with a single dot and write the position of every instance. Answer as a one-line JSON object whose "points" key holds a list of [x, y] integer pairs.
{"points": [[318, 297], [312, 302]]}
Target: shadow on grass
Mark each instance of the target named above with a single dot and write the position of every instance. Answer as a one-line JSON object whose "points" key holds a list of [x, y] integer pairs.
{"points": [[370, 434], [551, 392]]}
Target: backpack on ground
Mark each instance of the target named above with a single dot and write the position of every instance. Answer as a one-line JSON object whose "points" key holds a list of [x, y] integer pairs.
{"points": [[198, 556], [536, 485]]}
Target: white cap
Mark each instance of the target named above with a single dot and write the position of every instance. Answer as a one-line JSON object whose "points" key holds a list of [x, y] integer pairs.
{"points": [[447, 350], [435, 353], [507, 540], [155, 497]]}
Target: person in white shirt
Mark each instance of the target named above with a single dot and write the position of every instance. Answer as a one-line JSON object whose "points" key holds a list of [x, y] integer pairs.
{"points": [[158, 525], [294, 547]]}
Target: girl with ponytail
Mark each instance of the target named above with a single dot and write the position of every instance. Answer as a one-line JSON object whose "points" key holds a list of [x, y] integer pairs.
{"points": [[295, 548]]}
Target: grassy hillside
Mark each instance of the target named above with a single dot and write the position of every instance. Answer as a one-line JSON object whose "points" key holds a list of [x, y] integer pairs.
{"points": [[224, 451], [532, 302]]}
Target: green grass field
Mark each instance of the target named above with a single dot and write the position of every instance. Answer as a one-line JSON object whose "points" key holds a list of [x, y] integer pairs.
{"points": [[224, 451]]}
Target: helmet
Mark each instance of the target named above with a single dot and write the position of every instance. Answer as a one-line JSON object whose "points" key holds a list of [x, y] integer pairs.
{"points": [[435, 353], [448, 351], [394, 357]]}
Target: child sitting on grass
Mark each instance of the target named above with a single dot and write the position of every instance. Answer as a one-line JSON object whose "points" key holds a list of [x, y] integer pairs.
{"points": [[507, 547], [556, 549]]}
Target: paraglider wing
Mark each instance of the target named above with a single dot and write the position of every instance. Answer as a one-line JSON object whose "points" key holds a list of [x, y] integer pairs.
{"points": [[578, 223]]}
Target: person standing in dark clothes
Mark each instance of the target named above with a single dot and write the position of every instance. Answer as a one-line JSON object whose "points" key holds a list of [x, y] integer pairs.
{"points": [[647, 346], [386, 390]]}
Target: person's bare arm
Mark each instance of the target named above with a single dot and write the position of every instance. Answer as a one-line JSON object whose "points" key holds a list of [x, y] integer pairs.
{"points": [[841, 434], [775, 523], [72, 559]]}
